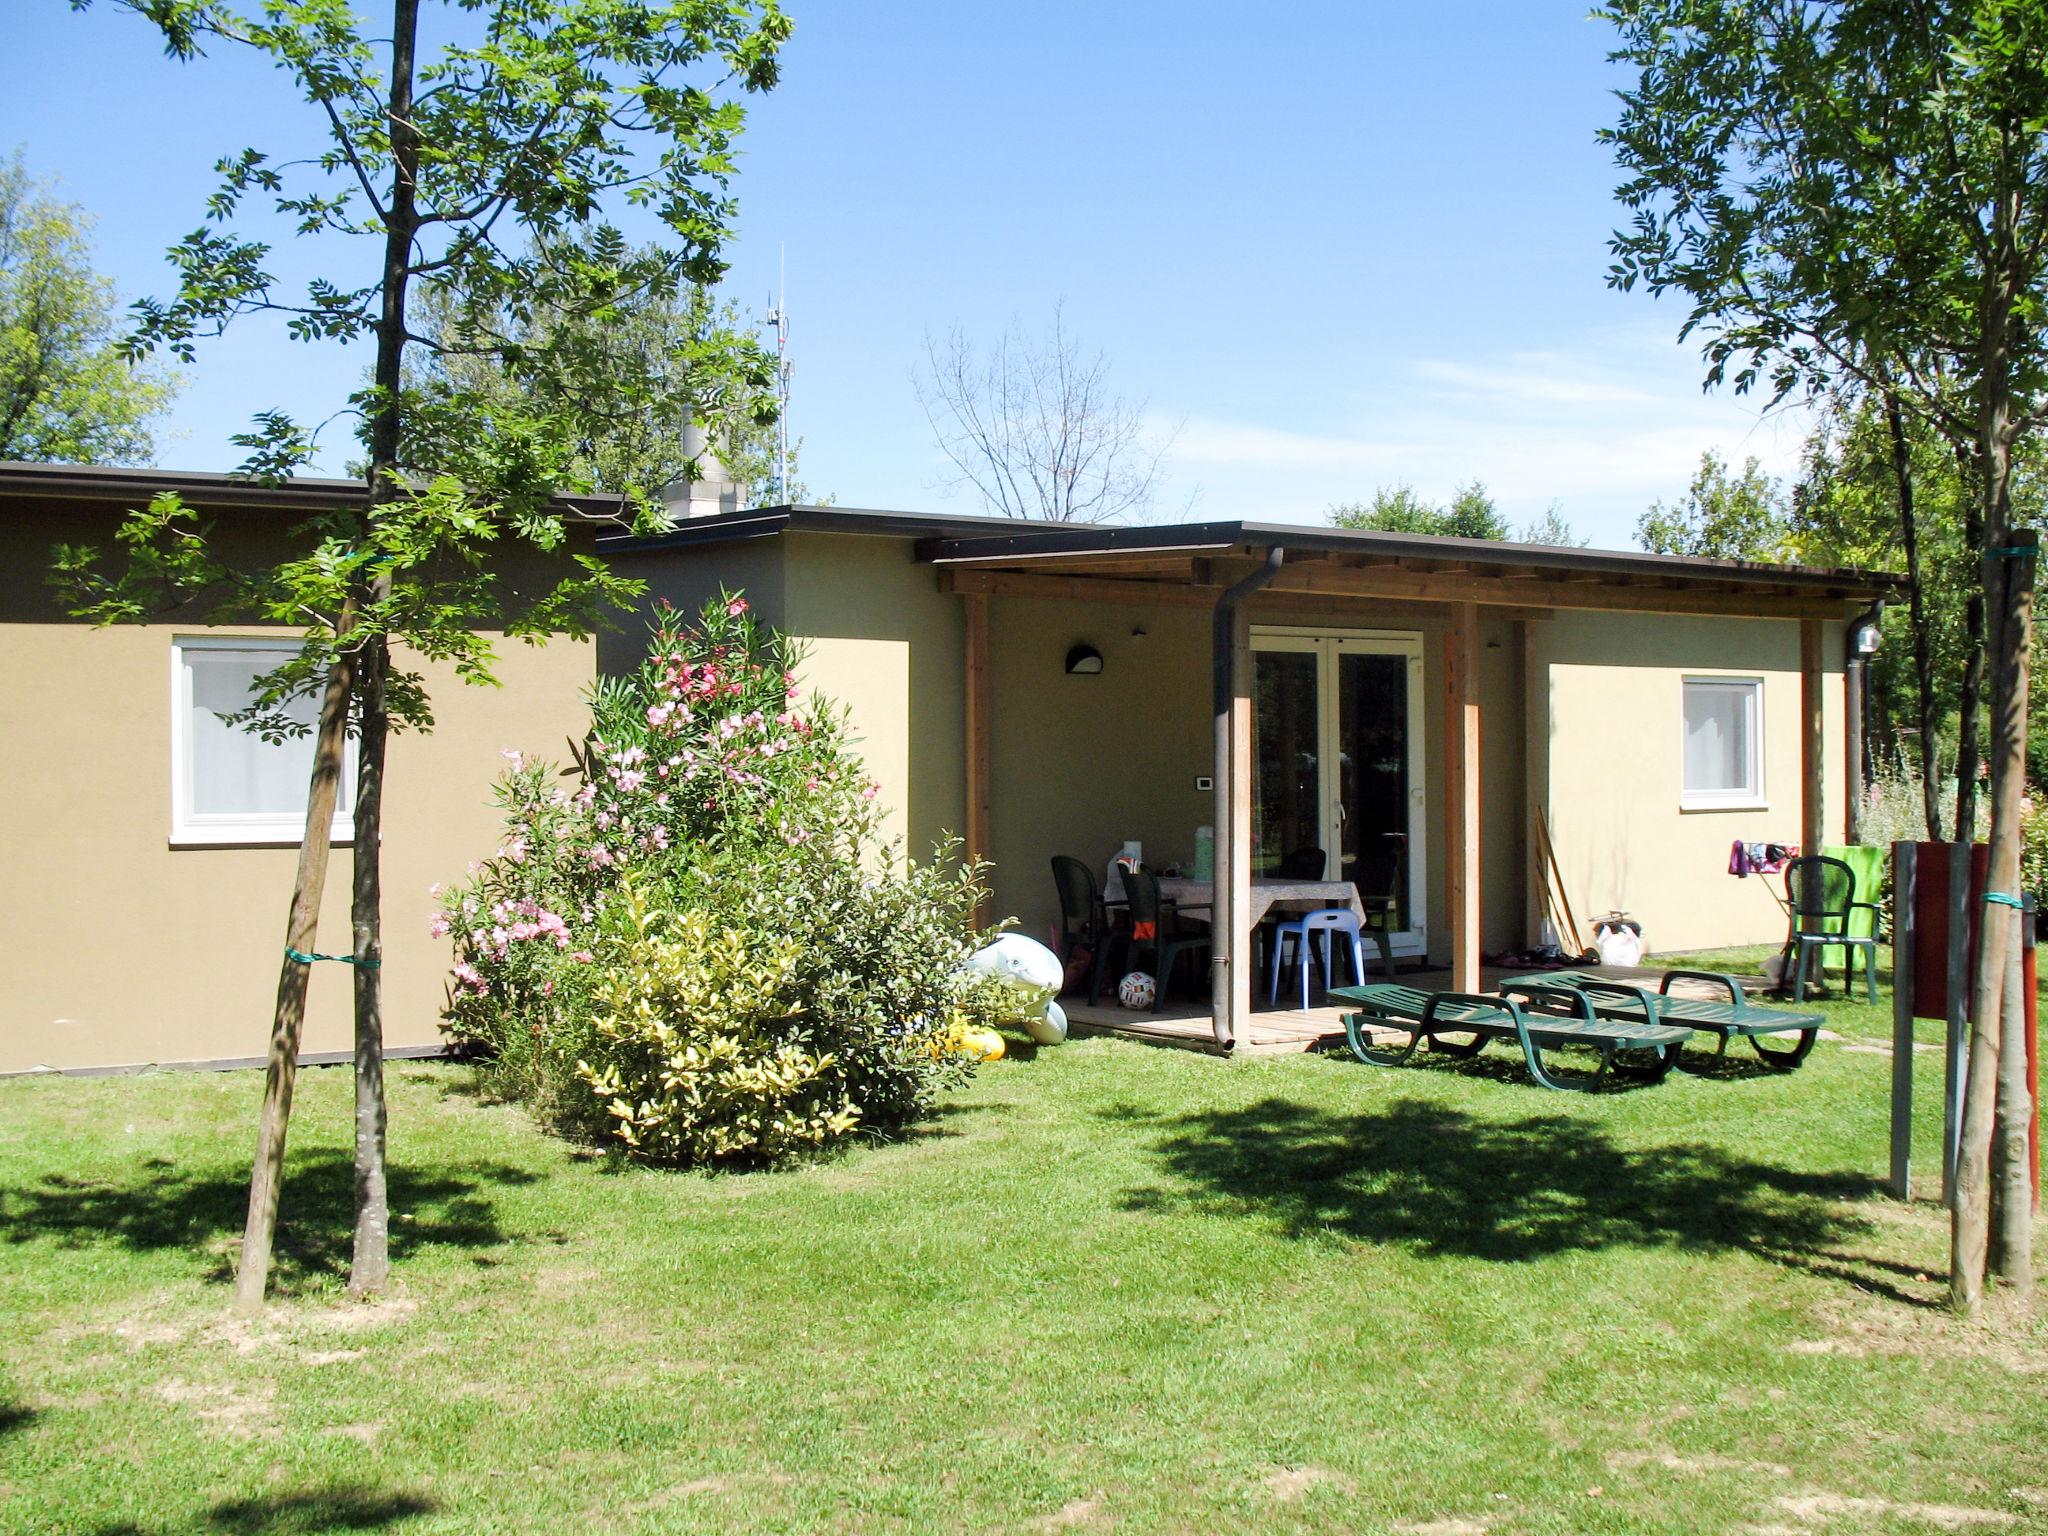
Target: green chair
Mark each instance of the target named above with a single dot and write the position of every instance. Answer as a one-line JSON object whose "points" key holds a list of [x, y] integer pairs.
{"points": [[1820, 893]]}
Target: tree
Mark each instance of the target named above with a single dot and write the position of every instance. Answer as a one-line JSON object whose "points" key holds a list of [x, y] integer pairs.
{"points": [[664, 359], [1033, 428], [1398, 509], [1723, 516], [1860, 190], [1553, 528], [535, 118], [68, 395]]}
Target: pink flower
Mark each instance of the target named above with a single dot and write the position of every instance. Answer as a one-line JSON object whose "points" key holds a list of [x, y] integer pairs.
{"points": [[871, 791], [437, 926], [513, 756], [583, 957], [736, 607]]}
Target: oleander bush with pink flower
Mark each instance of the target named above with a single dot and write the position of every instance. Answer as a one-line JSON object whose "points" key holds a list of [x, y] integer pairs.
{"points": [[693, 942]]}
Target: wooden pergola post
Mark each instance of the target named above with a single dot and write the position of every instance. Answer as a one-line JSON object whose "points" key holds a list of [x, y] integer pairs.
{"points": [[1812, 743], [1230, 661], [978, 717], [1461, 793]]}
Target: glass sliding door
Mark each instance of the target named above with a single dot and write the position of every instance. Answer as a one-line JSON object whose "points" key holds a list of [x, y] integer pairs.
{"points": [[1336, 755]]}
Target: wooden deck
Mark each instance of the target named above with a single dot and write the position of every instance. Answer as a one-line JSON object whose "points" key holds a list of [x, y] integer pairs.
{"points": [[1187, 1024]]}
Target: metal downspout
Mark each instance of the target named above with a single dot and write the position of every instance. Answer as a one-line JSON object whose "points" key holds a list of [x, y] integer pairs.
{"points": [[1855, 714], [1223, 934]]}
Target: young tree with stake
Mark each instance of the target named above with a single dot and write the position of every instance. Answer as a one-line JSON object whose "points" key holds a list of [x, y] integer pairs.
{"points": [[488, 168], [1860, 190]]}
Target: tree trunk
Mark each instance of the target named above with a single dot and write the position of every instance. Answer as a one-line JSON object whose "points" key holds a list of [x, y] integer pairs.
{"points": [[2012, 1175], [1923, 640], [252, 1275], [371, 1264], [1970, 698], [2007, 582]]}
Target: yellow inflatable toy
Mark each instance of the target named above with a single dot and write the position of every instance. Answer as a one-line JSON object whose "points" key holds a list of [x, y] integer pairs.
{"points": [[969, 1040]]}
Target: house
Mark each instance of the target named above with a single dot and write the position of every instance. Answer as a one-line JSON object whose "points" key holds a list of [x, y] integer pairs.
{"points": [[1030, 689]]}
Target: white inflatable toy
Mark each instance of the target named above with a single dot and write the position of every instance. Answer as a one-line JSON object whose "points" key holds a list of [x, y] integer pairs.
{"points": [[1034, 976]]}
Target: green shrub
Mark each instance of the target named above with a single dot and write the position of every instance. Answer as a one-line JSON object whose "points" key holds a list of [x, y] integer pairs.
{"points": [[703, 952]]}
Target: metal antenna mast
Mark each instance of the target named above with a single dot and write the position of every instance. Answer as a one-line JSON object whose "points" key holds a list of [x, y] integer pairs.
{"points": [[778, 316]]}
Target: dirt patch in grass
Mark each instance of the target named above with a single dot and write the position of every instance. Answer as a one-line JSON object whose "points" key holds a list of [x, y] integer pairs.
{"points": [[1451, 1527], [1822, 1507], [2003, 1336], [1672, 1461], [241, 1413], [1087, 1514], [1289, 1483]]}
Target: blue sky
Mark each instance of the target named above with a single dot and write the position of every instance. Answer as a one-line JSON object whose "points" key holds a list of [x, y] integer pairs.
{"points": [[1335, 246]]}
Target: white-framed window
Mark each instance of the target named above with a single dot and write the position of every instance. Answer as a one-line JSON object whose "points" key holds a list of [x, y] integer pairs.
{"points": [[1724, 743], [229, 785]]}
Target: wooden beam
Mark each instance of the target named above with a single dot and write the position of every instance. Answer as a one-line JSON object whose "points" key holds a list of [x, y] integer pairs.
{"points": [[1315, 579], [980, 719], [1812, 741], [1461, 794], [1265, 607]]}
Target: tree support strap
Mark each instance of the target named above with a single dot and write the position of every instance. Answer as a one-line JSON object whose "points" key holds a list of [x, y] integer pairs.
{"points": [[305, 959], [2014, 552], [2004, 900]]}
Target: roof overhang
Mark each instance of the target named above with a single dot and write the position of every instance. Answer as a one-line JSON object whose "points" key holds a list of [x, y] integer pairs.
{"points": [[1192, 562]]}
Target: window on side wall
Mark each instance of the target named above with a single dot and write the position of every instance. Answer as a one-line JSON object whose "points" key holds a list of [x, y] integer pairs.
{"points": [[229, 785], [1724, 758]]}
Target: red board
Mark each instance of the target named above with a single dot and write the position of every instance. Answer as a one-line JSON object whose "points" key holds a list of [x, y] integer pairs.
{"points": [[1933, 912]]}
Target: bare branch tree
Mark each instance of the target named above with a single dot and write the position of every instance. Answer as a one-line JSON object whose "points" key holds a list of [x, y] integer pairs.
{"points": [[1033, 428]]}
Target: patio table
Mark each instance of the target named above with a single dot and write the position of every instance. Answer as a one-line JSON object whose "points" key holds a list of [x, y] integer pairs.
{"points": [[1266, 894]]}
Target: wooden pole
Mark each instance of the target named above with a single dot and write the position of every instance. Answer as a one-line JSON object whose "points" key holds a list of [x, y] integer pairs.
{"points": [[1812, 741], [1956, 1036], [1461, 792], [1241, 822], [1535, 777], [1905, 875], [979, 724]]}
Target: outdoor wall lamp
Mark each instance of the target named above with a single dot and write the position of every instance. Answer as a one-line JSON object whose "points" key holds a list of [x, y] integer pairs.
{"points": [[1083, 661]]}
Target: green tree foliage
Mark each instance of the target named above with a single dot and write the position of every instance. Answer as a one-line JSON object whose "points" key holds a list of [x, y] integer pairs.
{"points": [[1859, 191], [1723, 516], [1471, 513], [68, 393], [491, 168], [1552, 528], [630, 375]]}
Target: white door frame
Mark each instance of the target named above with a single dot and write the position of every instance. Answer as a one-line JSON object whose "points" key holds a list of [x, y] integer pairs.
{"points": [[1327, 645]]}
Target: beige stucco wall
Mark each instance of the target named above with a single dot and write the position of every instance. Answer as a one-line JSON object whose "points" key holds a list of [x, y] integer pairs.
{"points": [[1613, 755], [122, 950], [881, 639]]}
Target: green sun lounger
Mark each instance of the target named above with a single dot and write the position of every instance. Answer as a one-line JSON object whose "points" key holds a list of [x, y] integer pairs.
{"points": [[1539, 1017], [1737, 1017]]}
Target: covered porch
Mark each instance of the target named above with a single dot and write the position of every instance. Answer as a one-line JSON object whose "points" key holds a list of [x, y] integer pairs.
{"points": [[1203, 626]]}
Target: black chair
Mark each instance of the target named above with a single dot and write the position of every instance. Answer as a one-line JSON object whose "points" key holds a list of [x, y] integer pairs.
{"points": [[1378, 878], [1083, 921], [1155, 929], [1820, 893], [1304, 864]]}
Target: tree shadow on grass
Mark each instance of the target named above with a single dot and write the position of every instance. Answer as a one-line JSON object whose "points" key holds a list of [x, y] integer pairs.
{"points": [[313, 1512], [163, 1206], [15, 1417], [1439, 1181]]}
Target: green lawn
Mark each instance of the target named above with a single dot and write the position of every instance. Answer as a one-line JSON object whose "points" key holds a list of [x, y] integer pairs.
{"points": [[1111, 1287]]}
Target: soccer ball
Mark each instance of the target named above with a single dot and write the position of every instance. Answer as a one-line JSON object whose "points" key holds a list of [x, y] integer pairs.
{"points": [[1137, 991]]}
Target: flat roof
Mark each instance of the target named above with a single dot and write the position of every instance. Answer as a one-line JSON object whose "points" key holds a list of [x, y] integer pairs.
{"points": [[968, 542], [301, 493], [1017, 544]]}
